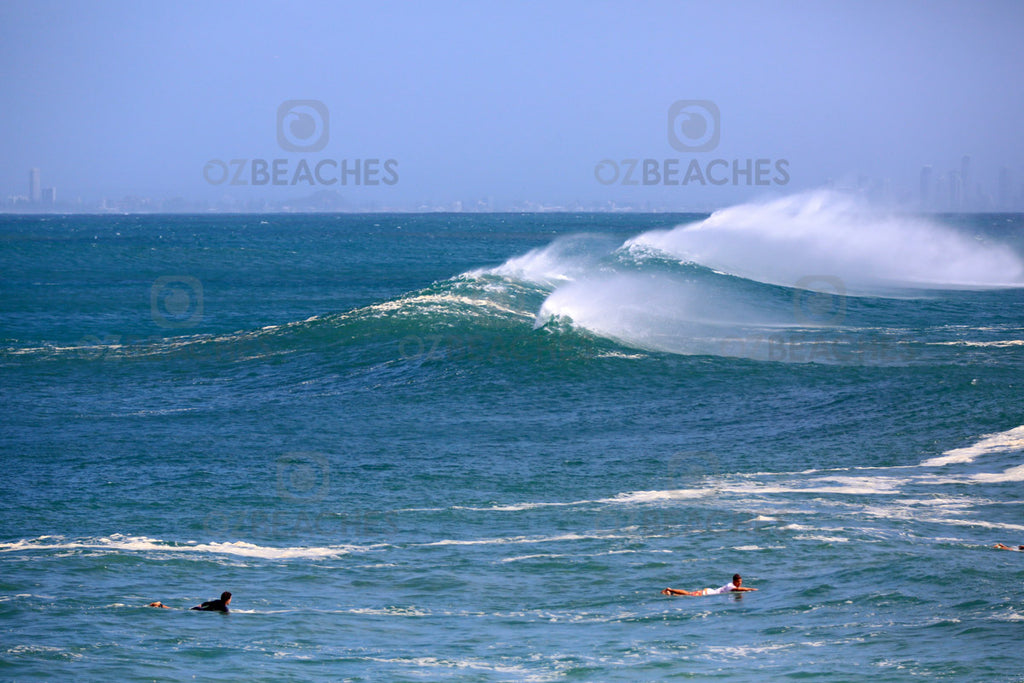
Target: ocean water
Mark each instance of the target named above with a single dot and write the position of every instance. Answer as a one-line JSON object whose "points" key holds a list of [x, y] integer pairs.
{"points": [[476, 447]]}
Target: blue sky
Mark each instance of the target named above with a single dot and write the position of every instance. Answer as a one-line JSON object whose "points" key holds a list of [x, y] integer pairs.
{"points": [[509, 101]]}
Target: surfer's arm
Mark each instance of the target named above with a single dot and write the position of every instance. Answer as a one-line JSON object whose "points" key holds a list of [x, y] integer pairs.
{"points": [[743, 589]]}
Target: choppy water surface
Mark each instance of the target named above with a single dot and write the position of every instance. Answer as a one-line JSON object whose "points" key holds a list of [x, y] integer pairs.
{"points": [[476, 447]]}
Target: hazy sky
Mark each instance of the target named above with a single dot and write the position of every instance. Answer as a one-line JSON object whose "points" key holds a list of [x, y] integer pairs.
{"points": [[506, 100]]}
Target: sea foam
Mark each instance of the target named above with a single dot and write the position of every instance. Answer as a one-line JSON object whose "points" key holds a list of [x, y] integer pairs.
{"points": [[1003, 442], [121, 543]]}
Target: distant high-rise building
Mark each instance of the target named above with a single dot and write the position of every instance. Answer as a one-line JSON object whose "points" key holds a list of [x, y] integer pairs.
{"points": [[34, 189], [956, 194], [1005, 189], [49, 196], [966, 188], [926, 186]]}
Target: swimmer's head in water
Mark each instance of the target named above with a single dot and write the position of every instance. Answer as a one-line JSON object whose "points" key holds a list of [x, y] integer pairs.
{"points": [[225, 597], [737, 579]]}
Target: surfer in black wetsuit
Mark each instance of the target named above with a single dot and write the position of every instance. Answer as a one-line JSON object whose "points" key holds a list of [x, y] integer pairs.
{"points": [[220, 605], [215, 605]]}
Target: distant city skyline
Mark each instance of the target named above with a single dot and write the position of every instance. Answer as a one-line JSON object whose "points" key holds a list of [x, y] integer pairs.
{"points": [[957, 190], [942, 191]]}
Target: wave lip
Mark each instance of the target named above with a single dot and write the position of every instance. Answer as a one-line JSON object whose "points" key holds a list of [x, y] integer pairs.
{"points": [[563, 260]]}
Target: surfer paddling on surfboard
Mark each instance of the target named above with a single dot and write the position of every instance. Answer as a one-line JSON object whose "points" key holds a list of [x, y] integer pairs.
{"points": [[220, 605], [735, 587]]}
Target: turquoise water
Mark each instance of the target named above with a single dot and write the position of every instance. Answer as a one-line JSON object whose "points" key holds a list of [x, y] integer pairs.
{"points": [[476, 447]]}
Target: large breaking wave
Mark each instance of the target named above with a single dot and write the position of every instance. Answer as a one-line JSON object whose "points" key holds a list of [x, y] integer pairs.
{"points": [[818, 277], [807, 267]]}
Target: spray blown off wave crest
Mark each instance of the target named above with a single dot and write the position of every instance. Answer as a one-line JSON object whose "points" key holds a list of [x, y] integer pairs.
{"points": [[784, 241]]}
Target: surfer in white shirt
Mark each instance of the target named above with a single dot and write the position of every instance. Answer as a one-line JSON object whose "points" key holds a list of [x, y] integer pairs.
{"points": [[735, 587]]}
